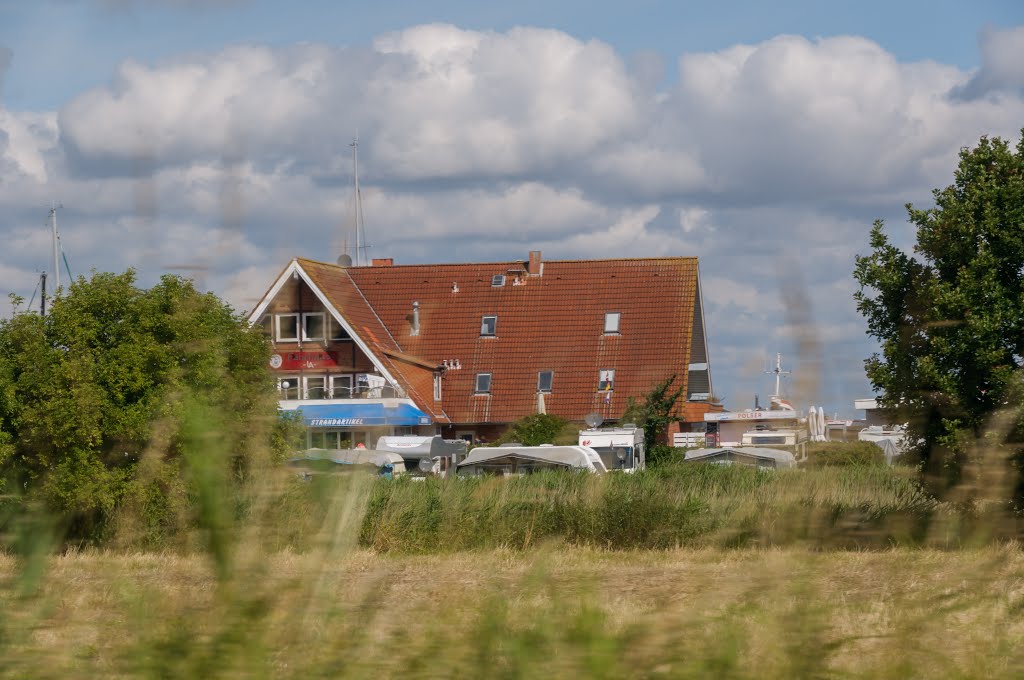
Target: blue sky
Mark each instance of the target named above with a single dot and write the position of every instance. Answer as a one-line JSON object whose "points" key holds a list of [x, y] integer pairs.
{"points": [[62, 46], [762, 137]]}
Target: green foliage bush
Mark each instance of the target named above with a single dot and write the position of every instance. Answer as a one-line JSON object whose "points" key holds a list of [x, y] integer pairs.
{"points": [[537, 429], [106, 387], [831, 454]]}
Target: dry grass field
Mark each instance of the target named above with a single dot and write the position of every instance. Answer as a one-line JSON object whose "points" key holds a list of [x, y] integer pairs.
{"points": [[552, 612]]}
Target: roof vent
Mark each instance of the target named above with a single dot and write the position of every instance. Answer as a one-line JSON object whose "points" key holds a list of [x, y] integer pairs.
{"points": [[498, 280]]}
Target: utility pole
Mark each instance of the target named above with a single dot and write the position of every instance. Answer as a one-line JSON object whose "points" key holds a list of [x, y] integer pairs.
{"points": [[42, 300], [53, 223]]}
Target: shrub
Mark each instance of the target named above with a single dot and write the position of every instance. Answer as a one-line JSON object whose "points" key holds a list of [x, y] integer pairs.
{"points": [[830, 454]]}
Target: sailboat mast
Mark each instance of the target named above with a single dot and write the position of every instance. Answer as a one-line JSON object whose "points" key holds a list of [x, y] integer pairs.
{"points": [[360, 229], [53, 224]]}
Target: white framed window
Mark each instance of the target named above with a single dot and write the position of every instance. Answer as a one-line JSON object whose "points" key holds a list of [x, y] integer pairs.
{"points": [[545, 380], [489, 326], [341, 387], [338, 331], [288, 387], [606, 380], [483, 383], [316, 387], [437, 387], [287, 327], [611, 323], [313, 326]]}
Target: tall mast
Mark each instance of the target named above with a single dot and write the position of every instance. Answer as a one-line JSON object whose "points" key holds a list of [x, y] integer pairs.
{"points": [[360, 235], [778, 373], [56, 268]]}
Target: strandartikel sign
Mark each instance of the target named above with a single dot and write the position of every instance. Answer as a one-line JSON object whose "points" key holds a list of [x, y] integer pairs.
{"points": [[752, 415], [336, 422]]}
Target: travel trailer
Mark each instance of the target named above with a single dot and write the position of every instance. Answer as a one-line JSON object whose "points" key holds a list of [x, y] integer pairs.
{"points": [[620, 448]]}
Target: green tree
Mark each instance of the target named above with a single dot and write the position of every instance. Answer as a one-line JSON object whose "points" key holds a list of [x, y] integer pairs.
{"points": [[949, 318], [109, 377], [654, 415], [536, 429]]}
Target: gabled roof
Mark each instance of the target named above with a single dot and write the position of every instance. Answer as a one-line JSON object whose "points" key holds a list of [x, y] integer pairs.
{"points": [[554, 321]]}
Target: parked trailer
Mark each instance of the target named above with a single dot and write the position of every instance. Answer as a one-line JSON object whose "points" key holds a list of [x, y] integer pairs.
{"points": [[620, 448]]}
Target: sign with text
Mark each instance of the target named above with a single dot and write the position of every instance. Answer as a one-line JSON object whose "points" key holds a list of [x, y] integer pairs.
{"points": [[752, 415], [294, 361]]}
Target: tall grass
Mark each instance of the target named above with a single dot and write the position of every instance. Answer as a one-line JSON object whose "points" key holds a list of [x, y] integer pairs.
{"points": [[682, 505]]}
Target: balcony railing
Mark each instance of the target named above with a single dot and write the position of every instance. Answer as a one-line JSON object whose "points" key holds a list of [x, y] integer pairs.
{"points": [[359, 392]]}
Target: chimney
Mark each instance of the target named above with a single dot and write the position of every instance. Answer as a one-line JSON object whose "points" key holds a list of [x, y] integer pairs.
{"points": [[382, 261], [415, 330], [536, 266]]}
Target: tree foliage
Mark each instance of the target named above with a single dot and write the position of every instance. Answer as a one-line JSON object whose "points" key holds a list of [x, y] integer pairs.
{"points": [[109, 378], [537, 429], [654, 416], [950, 317]]}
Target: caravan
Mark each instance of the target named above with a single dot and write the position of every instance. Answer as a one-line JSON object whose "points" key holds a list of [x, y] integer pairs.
{"points": [[620, 448]]}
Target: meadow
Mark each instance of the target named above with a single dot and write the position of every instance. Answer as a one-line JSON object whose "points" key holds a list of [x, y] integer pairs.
{"points": [[686, 571]]}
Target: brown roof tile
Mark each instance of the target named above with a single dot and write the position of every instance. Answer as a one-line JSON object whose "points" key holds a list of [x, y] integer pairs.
{"points": [[551, 322]]}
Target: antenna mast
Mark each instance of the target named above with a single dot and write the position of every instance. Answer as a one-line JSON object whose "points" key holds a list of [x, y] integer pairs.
{"points": [[778, 373], [53, 224], [361, 244]]}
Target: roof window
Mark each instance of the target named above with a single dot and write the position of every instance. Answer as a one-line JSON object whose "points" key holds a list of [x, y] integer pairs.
{"points": [[489, 326], [611, 323], [483, 383], [498, 280], [544, 381]]}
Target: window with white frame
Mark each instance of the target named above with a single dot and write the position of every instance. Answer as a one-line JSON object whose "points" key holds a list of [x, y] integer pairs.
{"points": [[611, 323], [489, 326], [316, 387], [606, 380], [313, 326], [287, 327], [437, 387], [338, 331], [545, 380], [483, 383], [341, 387], [288, 387]]}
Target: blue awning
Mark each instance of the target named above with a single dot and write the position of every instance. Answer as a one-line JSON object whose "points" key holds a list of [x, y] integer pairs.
{"points": [[359, 415]]}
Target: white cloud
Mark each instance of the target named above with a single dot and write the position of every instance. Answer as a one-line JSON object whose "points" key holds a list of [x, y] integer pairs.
{"points": [[484, 145], [1002, 64]]}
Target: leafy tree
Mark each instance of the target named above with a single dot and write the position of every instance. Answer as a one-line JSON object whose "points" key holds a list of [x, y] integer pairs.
{"points": [[950, 317], [536, 429], [107, 381], [654, 415]]}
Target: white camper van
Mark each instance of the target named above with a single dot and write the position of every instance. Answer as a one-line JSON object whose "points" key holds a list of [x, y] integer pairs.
{"points": [[621, 448]]}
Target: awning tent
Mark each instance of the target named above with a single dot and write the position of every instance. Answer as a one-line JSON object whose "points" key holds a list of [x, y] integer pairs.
{"points": [[743, 455], [534, 457], [361, 415]]}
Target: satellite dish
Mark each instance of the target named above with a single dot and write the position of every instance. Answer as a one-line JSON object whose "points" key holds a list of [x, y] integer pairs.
{"points": [[426, 465], [594, 419], [345, 260]]}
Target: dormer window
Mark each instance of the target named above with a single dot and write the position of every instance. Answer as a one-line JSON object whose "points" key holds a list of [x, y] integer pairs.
{"points": [[313, 326], [611, 323], [489, 326], [287, 327]]}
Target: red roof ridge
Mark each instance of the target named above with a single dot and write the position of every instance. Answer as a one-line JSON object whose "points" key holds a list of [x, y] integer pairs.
{"points": [[663, 258]]}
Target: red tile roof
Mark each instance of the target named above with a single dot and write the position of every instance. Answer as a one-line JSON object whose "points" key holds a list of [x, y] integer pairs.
{"points": [[554, 322]]}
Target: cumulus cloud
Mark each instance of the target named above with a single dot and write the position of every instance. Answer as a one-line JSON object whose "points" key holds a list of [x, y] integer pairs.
{"points": [[481, 145], [1002, 64]]}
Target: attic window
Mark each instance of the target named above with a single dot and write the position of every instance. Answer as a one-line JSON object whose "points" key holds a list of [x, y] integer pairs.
{"points": [[498, 280], [287, 327], [606, 380], [489, 326], [544, 380], [611, 323], [483, 383], [313, 326]]}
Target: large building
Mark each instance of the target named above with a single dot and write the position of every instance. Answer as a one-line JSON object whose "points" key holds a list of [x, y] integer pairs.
{"points": [[465, 349]]}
